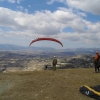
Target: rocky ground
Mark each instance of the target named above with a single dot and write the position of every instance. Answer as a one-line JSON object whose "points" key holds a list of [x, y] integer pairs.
{"points": [[62, 84]]}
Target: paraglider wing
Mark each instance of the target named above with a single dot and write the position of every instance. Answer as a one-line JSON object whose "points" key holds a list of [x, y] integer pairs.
{"points": [[50, 39]]}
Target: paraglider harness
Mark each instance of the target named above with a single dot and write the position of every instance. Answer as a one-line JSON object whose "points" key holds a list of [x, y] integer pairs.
{"points": [[93, 92]]}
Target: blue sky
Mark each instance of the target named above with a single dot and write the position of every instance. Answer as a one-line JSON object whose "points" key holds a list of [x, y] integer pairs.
{"points": [[76, 23]]}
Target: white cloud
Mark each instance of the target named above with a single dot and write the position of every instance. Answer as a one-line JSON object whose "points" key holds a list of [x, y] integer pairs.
{"points": [[47, 23], [86, 5], [29, 5], [14, 1], [20, 8], [18, 1], [52, 1], [26, 10]]}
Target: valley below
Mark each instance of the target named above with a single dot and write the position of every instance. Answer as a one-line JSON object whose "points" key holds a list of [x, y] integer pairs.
{"points": [[14, 60]]}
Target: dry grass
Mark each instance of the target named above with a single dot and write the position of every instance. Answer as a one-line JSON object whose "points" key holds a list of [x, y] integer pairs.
{"points": [[47, 84]]}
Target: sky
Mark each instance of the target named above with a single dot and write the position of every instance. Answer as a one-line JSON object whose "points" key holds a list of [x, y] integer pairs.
{"points": [[76, 23]]}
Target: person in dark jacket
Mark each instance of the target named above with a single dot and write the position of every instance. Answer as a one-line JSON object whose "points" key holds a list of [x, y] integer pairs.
{"points": [[54, 63], [96, 62]]}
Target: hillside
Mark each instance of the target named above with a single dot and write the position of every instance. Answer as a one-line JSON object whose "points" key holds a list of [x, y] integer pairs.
{"points": [[47, 84], [31, 60], [17, 47]]}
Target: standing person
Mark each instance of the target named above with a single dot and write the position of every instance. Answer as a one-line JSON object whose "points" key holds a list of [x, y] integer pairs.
{"points": [[96, 62], [54, 62]]}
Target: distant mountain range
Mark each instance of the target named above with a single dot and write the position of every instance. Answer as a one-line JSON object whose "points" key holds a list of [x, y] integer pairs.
{"points": [[16, 47]]}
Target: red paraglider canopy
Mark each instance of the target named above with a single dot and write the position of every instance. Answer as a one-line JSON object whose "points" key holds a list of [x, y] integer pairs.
{"points": [[50, 39]]}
